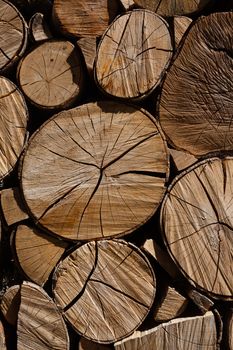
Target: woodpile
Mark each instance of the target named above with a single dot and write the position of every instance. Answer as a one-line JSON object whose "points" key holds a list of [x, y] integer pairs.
{"points": [[116, 165]]}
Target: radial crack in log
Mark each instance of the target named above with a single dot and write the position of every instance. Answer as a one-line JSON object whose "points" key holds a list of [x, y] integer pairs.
{"points": [[196, 102], [111, 287], [196, 219], [40, 326], [133, 55], [95, 171], [51, 75]]}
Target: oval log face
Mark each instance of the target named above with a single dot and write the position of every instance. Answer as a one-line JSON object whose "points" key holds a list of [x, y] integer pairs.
{"points": [[133, 55], [13, 34], [13, 120], [197, 220], [51, 75], [171, 7], [196, 103], [95, 171], [111, 287]]}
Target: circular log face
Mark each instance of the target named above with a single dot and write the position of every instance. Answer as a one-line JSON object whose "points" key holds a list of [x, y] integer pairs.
{"points": [[51, 75], [196, 102], [13, 34], [197, 220], [171, 7], [133, 54], [95, 171], [84, 18], [13, 119], [111, 287]]}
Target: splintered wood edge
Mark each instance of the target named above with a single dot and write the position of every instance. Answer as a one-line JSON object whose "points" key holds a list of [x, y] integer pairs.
{"points": [[10, 304], [38, 28]]}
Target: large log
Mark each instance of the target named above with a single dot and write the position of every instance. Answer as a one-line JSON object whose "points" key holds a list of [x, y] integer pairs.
{"points": [[51, 75], [111, 289], [13, 29], [195, 106], [95, 171], [196, 219], [133, 55]]}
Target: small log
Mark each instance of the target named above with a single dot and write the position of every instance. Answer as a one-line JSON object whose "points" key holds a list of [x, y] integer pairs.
{"points": [[88, 47], [127, 4], [125, 62], [196, 219], [37, 253], [171, 306], [182, 160], [12, 206], [180, 25], [40, 326], [109, 294], [195, 106], [203, 302], [189, 333], [51, 76], [13, 29], [14, 117], [86, 344], [98, 170], [84, 18], [10, 304], [172, 8], [38, 28], [2, 337]]}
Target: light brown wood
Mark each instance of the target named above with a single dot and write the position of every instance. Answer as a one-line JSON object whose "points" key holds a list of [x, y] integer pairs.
{"points": [[171, 7], [86, 344], [196, 219], [95, 171], [37, 253], [88, 47], [12, 206], [2, 337], [13, 29], [84, 18], [171, 306], [38, 28], [127, 4], [111, 289], [180, 24], [195, 105], [229, 326], [40, 326], [51, 75], [133, 55], [190, 333], [182, 160], [13, 117], [10, 304]]}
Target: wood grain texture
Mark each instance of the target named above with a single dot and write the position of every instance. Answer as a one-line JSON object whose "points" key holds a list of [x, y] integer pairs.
{"points": [[182, 160], [111, 289], [13, 29], [190, 333], [95, 171], [51, 75], [12, 207], [10, 304], [171, 7], [195, 106], [37, 253], [127, 4], [38, 28], [13, 119], [133, 55], [196, 219], [84, 18], [180, 25], [40, 325], [88, 47]]}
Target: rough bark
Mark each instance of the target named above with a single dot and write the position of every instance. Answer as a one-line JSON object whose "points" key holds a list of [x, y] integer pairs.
{"points": [[12, 206], [133, 55], [13, 29], [51, 75], [38, 28], [13, 118], [111, 289], [196, 103], [196, 219], [190, 333], [84, 18], [40, 326], [95, 171], [10, 304], [171, 7]]}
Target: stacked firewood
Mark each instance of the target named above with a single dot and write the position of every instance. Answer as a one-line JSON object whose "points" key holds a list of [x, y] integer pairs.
{"points": [[116, 168]]}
